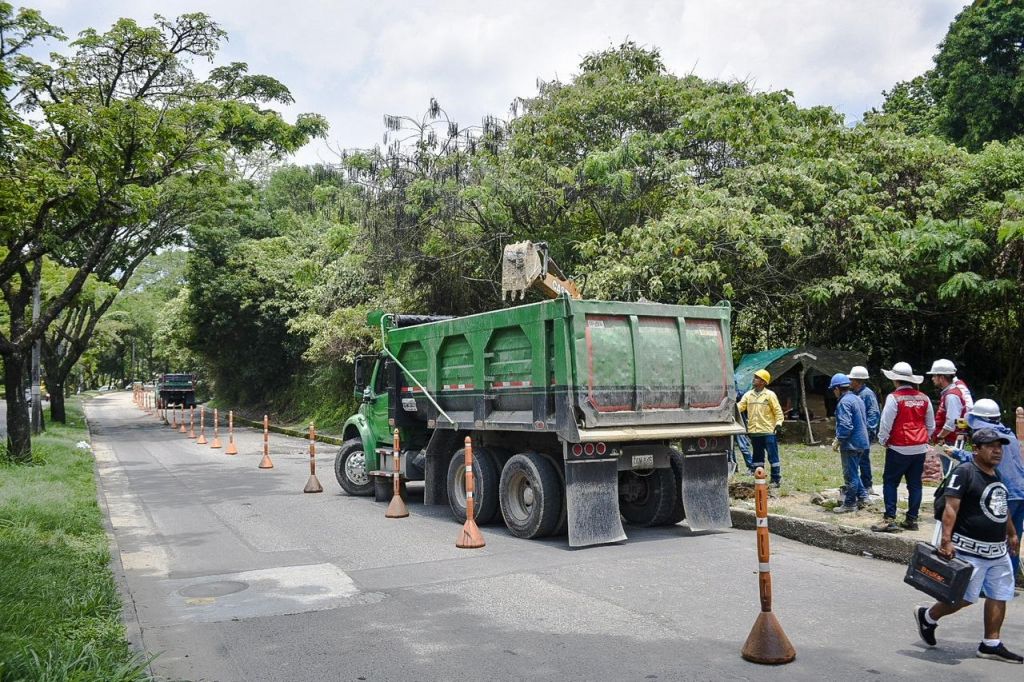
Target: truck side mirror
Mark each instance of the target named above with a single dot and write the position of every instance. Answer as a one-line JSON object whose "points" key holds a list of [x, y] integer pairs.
{"points": [[362, 367]]}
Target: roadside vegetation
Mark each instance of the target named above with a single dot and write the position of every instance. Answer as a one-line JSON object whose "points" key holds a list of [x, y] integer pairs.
{"points": [[59, 607]]}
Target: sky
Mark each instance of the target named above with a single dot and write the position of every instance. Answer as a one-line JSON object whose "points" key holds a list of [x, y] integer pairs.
{"points": [[354, 62]]}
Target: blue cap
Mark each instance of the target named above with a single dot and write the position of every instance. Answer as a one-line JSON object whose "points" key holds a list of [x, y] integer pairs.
{"points": [[839, 380]]}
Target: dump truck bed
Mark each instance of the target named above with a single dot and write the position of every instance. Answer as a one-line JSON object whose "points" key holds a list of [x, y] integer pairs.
{"points": [[571, 367]]}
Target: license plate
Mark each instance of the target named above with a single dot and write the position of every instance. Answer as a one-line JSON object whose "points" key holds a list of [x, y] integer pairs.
{"points": [[643, 461], [409, 404]]}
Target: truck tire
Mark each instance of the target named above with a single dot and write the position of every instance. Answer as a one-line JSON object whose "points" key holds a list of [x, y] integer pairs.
{"points": [[678, 512], [350, 469], [646, 499], [486, 478], [531, 502]]}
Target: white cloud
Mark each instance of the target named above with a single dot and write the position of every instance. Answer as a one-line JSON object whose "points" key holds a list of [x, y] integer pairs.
{"points": [[355, 61]]}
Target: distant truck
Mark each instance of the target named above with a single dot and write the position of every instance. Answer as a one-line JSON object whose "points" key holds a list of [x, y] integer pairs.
{"points": [[176, 389], [580, 412]]}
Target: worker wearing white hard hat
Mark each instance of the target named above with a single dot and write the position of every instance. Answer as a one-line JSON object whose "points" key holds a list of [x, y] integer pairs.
{"points": [[954, 402], [858, 377], [985, 414]]}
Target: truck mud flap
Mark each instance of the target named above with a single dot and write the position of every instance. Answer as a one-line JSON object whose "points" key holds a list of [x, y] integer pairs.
{"points": [[705, 490], [592, 498]]}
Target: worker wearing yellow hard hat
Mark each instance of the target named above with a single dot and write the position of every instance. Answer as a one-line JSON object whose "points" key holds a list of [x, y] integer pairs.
{"points": [[764, 418]]}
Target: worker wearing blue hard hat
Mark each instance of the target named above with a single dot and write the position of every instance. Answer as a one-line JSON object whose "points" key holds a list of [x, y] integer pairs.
{"points": [[851, 440]]}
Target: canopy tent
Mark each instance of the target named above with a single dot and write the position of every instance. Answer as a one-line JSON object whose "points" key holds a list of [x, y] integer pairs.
{"points": [[796, 372]]}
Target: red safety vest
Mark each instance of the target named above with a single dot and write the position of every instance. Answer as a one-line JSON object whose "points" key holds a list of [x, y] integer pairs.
{"points": [[911, 408], [940, 414]]}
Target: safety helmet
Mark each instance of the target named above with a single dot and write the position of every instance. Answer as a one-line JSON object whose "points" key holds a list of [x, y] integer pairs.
{"points": [[859, 372], [942, 367], [764, 375], [986, 409], [839, 380]]}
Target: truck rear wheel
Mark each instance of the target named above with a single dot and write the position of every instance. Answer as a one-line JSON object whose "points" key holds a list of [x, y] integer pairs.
{"points": [[485, 485], [350, 469], [647, 499], [678, 511], [531, 501]]}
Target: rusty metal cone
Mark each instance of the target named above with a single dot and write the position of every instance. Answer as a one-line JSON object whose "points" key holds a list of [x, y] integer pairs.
{"points": [[767, 643], [396, 508], [470, 537], [182, 429], [232, 449], [313, 485], [201, 440], [266, 462]]}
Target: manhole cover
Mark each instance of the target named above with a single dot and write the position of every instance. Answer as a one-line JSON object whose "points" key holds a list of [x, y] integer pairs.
{"points": [[219, 588]]}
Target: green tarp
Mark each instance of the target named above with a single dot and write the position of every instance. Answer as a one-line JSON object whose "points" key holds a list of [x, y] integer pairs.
{"points": [[751, 362], [778, 361]]}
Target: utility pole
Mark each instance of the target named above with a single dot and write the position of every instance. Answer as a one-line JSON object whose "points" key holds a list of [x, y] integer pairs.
{"points": [[37, 405]]}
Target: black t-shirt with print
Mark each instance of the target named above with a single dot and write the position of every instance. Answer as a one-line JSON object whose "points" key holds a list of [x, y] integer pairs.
{"points": [[983, 507]]}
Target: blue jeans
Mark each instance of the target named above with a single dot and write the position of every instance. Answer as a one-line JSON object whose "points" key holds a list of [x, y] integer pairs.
{"points": [[1015, 508], [765, 443], [897, 467], [866, 478], [855, 491], [743, 443]]}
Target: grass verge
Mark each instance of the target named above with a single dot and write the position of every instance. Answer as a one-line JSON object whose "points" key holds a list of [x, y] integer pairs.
{"points": [[59, 606]]}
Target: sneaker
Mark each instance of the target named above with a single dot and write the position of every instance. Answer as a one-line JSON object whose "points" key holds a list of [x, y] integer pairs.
{"points": [[924, 628], [843, 509], [863, 503], [888, 525], [998, 652], [909, 524]]}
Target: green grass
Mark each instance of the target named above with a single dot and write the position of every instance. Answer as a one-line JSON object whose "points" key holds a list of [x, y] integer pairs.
{"points": [[59, 607]]}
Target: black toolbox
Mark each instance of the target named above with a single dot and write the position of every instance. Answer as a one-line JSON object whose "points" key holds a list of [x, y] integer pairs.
{"points": [[935, 575]]}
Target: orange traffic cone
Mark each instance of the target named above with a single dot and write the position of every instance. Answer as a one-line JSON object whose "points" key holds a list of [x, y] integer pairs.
{"points": [[191, 421], [215, 444], [766, 643], [232, 449], [470, 537], [313, 483], [181, 411], [396, 508], [202, 426], [266, 462]]}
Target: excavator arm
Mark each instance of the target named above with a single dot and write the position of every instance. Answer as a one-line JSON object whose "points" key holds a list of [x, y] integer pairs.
{"points": [[527, 265]]}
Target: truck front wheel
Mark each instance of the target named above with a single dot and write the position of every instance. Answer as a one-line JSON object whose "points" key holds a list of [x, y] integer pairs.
{"points": [[647, 499], [531, 501], [350, 469], [485, 486]]}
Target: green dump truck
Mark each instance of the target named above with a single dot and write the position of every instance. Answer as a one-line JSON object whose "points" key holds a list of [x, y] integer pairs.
{"points": [[176, 389], [581, 413]]}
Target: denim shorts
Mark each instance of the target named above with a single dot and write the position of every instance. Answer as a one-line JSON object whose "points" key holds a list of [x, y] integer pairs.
{"points": [[994, 576]]}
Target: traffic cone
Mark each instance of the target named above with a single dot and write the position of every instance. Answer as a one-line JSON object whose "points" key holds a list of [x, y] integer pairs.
{"points": [[192, 421], [181, 410], [396, 508], [470, 537], [312, 483], [266, 462], [232, 449], [766, 643], [202, 426], [215, 444]]}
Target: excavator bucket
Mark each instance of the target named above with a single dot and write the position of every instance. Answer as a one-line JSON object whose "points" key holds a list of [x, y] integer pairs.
{"points": [[592, 497], [521, 265], [705, 490]]}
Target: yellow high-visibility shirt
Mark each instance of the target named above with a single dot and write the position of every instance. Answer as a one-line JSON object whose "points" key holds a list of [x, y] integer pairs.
{"points": [[764, 413]]}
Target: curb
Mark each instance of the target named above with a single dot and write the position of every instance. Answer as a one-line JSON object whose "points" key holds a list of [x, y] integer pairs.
{"points": [[831, 536]]}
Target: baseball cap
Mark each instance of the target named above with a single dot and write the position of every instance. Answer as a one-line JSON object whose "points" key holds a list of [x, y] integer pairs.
{"points": [[983, 436]]}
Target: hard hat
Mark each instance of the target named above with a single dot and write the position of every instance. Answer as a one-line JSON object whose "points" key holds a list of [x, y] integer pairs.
{"points": [[986, 409], [942, 367], [859, 372], [764, 375], [839, 380]]}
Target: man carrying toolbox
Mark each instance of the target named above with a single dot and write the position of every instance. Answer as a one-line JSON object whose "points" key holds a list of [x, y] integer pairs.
{"points": [[976, 527]]}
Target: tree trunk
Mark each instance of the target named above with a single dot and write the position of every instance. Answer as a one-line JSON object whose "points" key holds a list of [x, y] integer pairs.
{"points": [[57, 412], [19, 427]]}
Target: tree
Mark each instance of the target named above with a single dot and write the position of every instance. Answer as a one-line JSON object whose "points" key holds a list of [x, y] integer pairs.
{"points": [[112, 124], [978, 79]]}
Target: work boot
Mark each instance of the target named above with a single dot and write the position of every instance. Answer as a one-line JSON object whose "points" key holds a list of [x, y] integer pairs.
{"points": [[999, 652], [909, 524], [843, 509], [888, 525]]}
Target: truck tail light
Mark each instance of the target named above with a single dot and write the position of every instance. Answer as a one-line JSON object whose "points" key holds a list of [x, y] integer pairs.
{"points": [[600, 448], [702, 443], [589, 449], [577, 450]]}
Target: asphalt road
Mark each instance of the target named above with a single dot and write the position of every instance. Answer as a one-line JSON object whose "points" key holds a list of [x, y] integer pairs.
{"points": [[235, 574]]}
